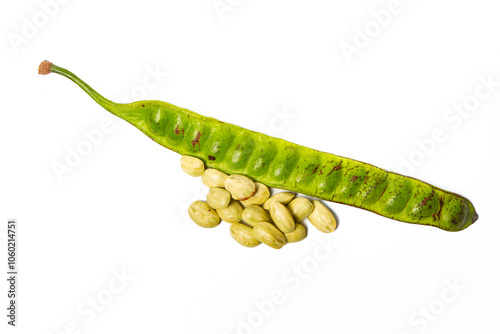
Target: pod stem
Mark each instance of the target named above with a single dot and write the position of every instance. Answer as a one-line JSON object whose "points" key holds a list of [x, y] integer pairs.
{"points": [[47, 67]]}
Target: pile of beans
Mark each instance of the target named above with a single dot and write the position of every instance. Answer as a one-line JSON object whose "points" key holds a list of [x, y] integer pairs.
{"points": [[254, 215]]}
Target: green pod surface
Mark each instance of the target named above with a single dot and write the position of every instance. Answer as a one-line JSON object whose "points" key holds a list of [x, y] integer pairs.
{"points": [[282, 164]]}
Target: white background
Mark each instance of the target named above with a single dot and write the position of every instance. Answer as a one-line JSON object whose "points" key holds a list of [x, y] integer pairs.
{"points": [[122, 207]]}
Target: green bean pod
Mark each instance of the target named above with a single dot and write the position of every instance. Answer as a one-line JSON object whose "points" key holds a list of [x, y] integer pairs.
{"points": [[282, 164]]}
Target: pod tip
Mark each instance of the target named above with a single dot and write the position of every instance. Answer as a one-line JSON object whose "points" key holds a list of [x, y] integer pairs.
{"points": [[45, 67]]}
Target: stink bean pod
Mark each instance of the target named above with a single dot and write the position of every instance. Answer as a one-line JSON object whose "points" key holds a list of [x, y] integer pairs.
{"points": [[281, 164]]}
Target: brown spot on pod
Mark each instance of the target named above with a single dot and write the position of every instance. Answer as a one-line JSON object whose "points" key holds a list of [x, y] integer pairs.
{"points": [[337, 167], [196, 140], [177, 131]]}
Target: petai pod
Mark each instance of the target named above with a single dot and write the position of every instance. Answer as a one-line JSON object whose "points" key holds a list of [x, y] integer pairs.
{"points": [[282, 164]]}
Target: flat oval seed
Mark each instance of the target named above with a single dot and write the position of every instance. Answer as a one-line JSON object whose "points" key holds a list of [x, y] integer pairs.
{"points": [[243, 235], [322, 218], [240, 187], [300, 208], [299, 234], [283, 198], [261, 195], [282, 217], [232, 213], [268, 234], [213, 178], [218, 198], [192, 166], [254, 214], [203, 215]]}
